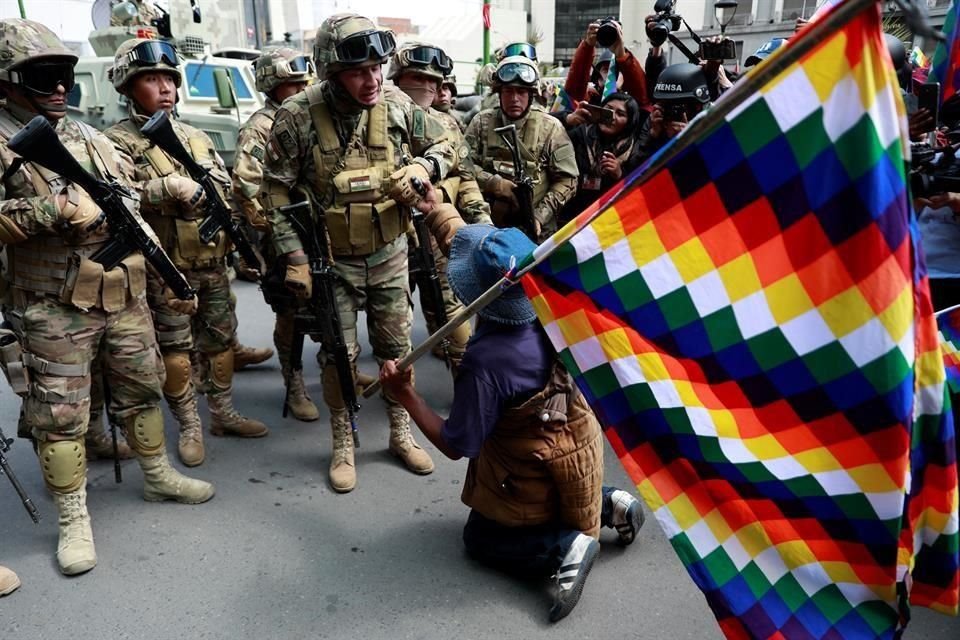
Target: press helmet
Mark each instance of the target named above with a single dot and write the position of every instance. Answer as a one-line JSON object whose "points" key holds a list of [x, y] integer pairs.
{"points": [[346, 40], [143, 55], [518, 71], [24, 41], [278, 66], [682, 81]]}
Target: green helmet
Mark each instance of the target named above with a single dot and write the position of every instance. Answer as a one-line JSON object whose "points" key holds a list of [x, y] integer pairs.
{"points": [[23, 41], [278, 66], [420, 57], [142, 55], [518, 71], [348, 40], [450, 80]]}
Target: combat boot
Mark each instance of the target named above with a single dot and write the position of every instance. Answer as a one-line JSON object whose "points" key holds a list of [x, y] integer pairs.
{"points": [[9, 582], [75, 551], [225, 420], [99, 444], [402, 444], [299, 403], [343, 473], [190, 448], [162, 482], [244, 356]]}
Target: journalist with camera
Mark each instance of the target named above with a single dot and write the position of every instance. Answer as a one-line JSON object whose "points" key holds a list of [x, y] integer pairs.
{"points": [[681, 92]]}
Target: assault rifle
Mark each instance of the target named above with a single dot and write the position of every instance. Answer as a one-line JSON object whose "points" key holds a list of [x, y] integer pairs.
{"points": [[38, 142], [319, 317], [159, 131], [524, 188], [425, 269], [7, 471]]}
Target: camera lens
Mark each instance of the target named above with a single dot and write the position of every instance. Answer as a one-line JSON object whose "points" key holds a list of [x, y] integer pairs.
{"points": [[606, 34]]}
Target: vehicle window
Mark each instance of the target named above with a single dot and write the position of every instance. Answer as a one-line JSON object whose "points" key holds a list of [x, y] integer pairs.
{"points": [[75, 95], [199, 78]]}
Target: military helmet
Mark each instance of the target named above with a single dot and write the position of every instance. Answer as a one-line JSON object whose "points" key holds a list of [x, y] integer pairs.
{"points": [[420, 57], [524, 49], [25, 41], [450, 80], [347, 40], [518, 71], [684, 81], [143, 55], [278, 66], [485, 75]]}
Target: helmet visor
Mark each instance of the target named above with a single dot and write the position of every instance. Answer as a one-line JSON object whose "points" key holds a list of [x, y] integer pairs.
{"points": [[147, 54], [43, 77], [430, 55], [363, 46], [524, 49], [517, 72]]}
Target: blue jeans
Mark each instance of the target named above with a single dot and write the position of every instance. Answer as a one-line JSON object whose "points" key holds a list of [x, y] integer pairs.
{"points": [[533, 550]]}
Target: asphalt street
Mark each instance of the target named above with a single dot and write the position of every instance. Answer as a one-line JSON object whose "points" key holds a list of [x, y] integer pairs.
{"points": [[277, 554]]}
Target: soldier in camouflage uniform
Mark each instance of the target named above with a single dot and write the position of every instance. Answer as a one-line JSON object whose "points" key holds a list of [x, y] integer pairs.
{"points": [[345, 142], [146, 72], [419, 70], [545, 148], [72, 311], [280, 74], [447, 98]]}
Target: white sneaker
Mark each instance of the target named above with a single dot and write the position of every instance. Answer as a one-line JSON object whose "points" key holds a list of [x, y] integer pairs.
{"points": [[627, 515], [572, 575]]}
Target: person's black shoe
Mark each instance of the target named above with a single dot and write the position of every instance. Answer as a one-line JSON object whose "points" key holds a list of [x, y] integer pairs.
{"points": [[627, 515], [573, 572]]}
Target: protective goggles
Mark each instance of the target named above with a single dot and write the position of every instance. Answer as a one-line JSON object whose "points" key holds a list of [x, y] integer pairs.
{"points": [[299, 66], [427, 56], [363, 46], [148, 54], [524, 49], [516, 72], [43, 77]]}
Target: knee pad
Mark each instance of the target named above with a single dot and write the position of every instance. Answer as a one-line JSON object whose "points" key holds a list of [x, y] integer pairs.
{"points": [[64, 464], [221, 370], [460, 337], [177, 366], [144, 432]]}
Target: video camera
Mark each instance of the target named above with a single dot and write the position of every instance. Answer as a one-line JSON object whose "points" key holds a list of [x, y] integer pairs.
{"points": [[931, 175], [667, 20]]}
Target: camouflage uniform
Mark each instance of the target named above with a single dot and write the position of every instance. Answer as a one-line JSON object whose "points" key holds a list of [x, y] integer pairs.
{"points": [[147, 14], [72, 312], [547, 153], [359, 151], [272, 69], [458, 188], [211, 329]]}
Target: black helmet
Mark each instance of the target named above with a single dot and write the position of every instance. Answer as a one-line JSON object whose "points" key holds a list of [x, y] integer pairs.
{"points": [[682, 81], [898, 53]]}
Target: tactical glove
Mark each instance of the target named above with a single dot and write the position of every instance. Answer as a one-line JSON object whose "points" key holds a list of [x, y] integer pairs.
{"points": [[402, 190], [444, 222], [298, 280], [81, 212], [183, 190], [186, 307]]}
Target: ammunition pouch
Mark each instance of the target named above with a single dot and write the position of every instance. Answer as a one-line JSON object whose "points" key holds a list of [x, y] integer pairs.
{"points": [[363, 228], [11, 359]]}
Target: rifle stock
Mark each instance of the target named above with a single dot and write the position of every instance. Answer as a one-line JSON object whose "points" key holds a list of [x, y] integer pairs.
{"points": [[159, 130], [524, 188], [38, 142], [321, 314]]}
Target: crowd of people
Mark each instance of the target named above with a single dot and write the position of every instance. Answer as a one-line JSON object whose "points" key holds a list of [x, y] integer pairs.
{"points": [[363, 150]]}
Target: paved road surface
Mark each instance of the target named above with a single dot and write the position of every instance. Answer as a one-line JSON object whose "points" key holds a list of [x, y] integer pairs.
{"points": [[277, 555]]}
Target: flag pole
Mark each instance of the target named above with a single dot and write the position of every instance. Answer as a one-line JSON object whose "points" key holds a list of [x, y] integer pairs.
{"points": [[809, 38], [486, 31]]}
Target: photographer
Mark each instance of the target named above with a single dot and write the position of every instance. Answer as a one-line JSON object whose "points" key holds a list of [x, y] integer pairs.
{"points": [[605, 153], [606, 33], [680, 94]]}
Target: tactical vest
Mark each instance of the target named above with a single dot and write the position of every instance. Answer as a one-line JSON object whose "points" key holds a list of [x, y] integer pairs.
{"points": [[57, 266], [360, 218], [499, 159], [176, 227], [542, 463]]}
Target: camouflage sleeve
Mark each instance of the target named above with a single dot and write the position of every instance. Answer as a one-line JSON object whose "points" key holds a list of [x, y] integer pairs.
{"points": [[32, 215], [248, 174], [431, 140], [221, 176], [152, 193], [473, 137], [561, 171], [470, 203], [281, 170]]}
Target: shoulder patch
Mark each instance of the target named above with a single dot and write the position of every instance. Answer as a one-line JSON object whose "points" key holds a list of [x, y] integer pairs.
{"points": [[419, 124], [257, 152]]}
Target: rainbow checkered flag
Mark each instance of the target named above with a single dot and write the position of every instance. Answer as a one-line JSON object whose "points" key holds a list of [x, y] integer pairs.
{"points": [[610, 84], [749, 316], [948, 323], [945, 67]]}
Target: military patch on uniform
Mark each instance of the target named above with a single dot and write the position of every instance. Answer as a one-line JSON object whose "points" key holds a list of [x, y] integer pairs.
{"points": [[286, 139], [464, 152], [257, 152], [419, 124], [360, 183]]}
